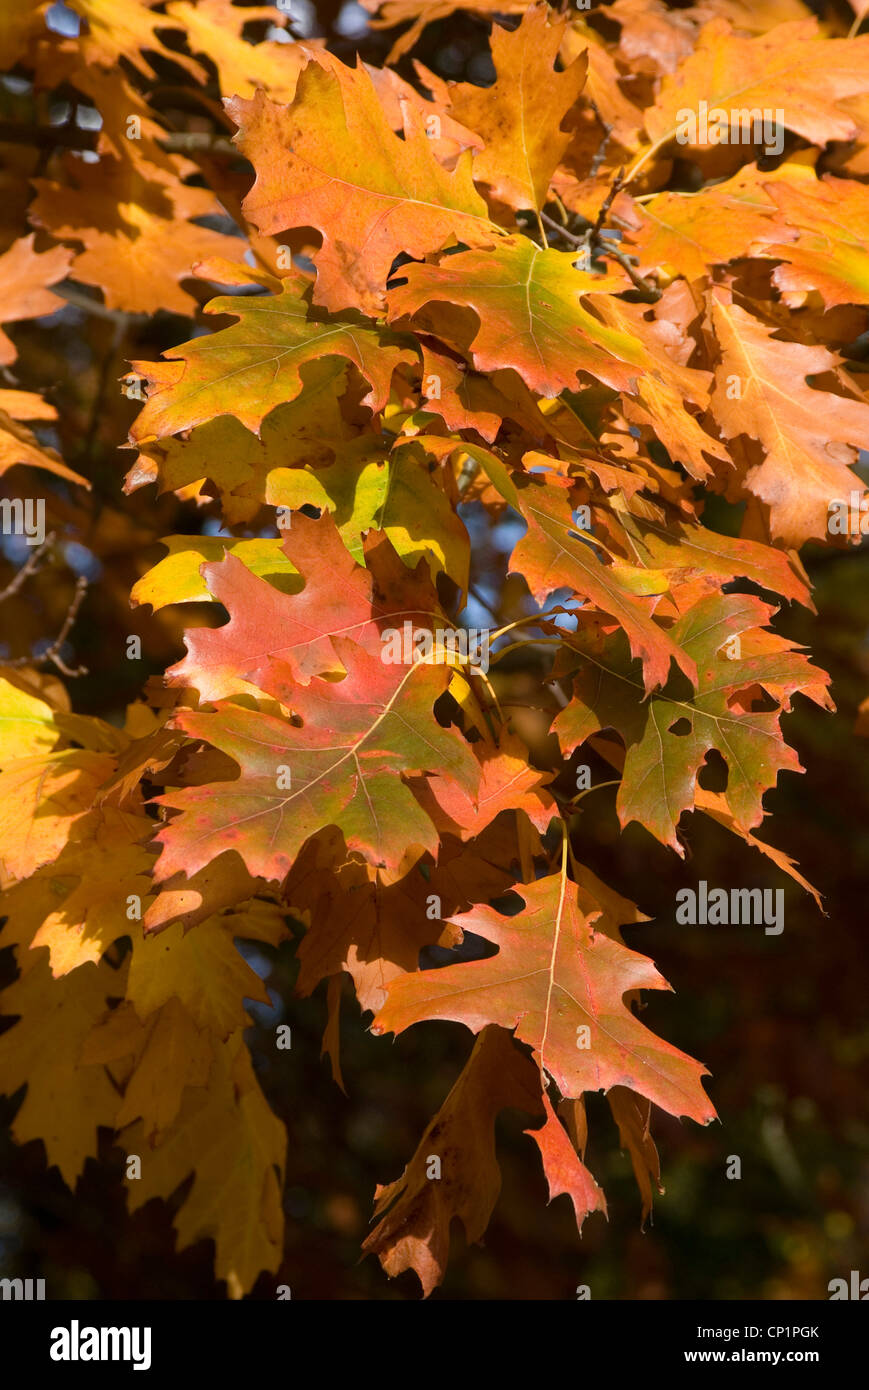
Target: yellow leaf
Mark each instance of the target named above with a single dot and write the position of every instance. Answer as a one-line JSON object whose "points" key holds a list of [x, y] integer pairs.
{"points": [[66, 1101]]}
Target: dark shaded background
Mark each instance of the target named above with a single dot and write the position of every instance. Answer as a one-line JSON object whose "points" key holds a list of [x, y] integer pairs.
{"points": [[780, 1022]]}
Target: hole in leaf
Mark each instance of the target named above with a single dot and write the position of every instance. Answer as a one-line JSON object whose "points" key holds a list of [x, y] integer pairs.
{"points": [[713, 775]]}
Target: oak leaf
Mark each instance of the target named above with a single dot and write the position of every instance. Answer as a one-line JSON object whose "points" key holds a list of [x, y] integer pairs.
{"points": [[520, 115], [414, 1213], [553, 976], [249, 369], [67, 1100], [809, 435], [664, 757], [25, 276], [330, 161], [352, 743], [791, 69], [227, 1135]]}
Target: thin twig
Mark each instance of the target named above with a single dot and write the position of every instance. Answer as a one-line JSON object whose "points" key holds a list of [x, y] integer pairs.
{"points": [[563, 232], [79, 300], [593, 240], [600, 154], [67, 136], [71, 137], [28, 568], [651, 292], [607, 203], [52, 653]]}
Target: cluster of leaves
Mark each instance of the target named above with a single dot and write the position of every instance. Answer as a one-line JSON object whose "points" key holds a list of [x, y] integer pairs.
{"points": [[454, 308]]}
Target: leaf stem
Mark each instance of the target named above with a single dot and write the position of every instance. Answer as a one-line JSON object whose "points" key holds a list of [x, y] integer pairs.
{"points": [[646, 155]]}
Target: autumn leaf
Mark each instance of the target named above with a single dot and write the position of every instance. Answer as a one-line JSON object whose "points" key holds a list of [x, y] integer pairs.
{"points": [[249, 369], [686, 233], [531, 317], [790, 68], [66, 1100], [414, 1212], [91, 889], [668, 737], [344, 758], [25, 276], [164, 1057], [632, 1116], [272, 637], [565, 1171], [553, 555], [136, 229], [560, 984], [343, 171], [27, 726], [202, 968], [46, 799], [807, 434], [824, 251], [212, 28], [19, 445], [520, 115], [130, 33], [229, 1137], [220, 457]]}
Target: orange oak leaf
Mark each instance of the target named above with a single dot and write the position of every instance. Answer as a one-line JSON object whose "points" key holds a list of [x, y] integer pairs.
{"points": [[790, 69], [128, 32], [529, 303], [213, 30], [134, 225], [560, 984], [564, 1169], [20, 445], [25, 275], [330, 161], [520, 115], [507, 783], [826, 248], [273, 639], [340, 762], [685, 234], [553, 554], [809, 436]]}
